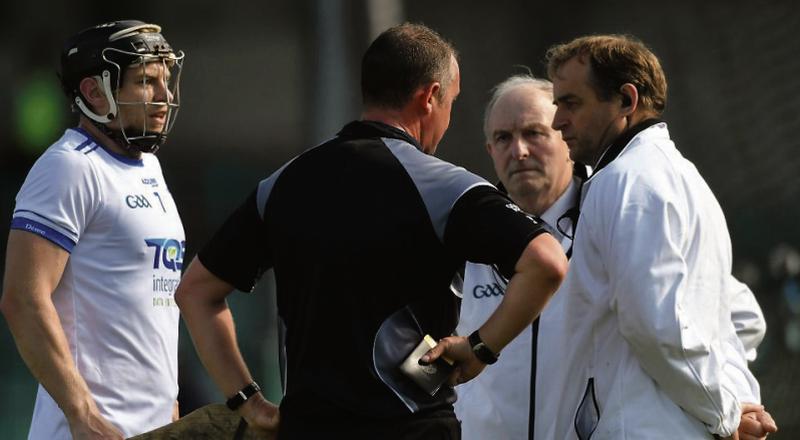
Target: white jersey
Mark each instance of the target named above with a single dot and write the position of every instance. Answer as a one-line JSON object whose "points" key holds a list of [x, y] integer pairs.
{"points": [[495, 404], [116, 218]]}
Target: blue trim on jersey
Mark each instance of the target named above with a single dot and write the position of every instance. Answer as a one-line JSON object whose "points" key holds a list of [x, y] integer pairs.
{"points": [[92, 149], [32, 226], [124, 159], [28, 210], [83, 145]]}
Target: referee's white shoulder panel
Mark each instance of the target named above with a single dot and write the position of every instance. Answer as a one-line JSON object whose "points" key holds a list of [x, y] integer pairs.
{"points": [[265, 188], [439, 183]]}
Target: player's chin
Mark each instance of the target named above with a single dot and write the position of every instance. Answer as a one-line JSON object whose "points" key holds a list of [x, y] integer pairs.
{"points": [[155, 125]]}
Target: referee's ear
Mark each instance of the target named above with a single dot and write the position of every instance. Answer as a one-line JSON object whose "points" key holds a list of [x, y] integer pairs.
{"points": [[424, 99]]}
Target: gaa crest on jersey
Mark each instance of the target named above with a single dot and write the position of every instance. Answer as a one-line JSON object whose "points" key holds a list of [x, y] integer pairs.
{"points": [[168, 253], [137, 201]]}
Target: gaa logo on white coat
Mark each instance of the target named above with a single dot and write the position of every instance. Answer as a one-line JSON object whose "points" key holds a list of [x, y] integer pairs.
{"points": [[487, 291]]}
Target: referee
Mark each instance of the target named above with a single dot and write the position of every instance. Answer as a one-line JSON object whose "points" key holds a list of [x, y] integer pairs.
{"points": [[365, 233]]}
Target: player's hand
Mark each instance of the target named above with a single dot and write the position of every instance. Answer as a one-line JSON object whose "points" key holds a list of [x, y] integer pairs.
{"points": [[262, 416], [457, 349], [94, 427], [756, 423], [176, 411]]}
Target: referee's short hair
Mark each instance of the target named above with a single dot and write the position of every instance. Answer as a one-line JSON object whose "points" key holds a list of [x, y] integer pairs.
{"points": [[401, 60]]}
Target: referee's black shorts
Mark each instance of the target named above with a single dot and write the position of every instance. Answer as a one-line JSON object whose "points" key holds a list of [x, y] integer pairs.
{"points": [[438, 424]]}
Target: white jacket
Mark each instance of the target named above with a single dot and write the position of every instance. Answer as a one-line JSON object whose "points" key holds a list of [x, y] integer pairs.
{"points": [[647, 343]]}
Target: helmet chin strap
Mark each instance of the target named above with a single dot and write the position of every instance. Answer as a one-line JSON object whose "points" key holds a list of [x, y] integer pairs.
{"points": [[146, 144], [150, 143]]}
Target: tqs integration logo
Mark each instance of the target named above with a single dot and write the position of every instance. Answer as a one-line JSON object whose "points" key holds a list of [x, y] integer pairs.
{"points": [[168, 252]]}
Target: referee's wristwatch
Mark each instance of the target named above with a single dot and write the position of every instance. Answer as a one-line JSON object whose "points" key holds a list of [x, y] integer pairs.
{"points": [[482, 352], [242, 395]]}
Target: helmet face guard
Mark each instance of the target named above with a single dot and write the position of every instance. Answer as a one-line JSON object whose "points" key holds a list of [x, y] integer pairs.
{"points": [[157, 90], [146, 105]]}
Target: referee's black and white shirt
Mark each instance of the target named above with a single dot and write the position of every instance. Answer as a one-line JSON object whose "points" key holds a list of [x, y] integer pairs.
{"points": [[356, 230]]}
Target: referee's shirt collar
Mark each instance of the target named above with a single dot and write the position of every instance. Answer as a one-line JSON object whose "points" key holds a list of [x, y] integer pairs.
{"points": [[371, 129]]}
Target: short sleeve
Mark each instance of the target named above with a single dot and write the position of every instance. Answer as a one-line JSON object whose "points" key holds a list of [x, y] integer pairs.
{"points": [[485, 226], [239, 251], [58, 198]]}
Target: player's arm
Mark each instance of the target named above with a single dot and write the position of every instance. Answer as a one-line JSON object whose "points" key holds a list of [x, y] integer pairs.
{"points": [[210, 278], [34, 267], [201, 298], [538, 274], [486, 227]]}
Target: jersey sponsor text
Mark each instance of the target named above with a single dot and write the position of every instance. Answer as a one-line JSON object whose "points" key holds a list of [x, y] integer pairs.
{"points": [[168, 252]]}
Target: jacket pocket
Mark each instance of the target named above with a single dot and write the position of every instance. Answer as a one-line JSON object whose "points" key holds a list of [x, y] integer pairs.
{"points": [[588, 415]]}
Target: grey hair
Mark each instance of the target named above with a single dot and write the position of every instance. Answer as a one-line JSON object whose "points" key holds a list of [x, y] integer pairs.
{"points": [[498, 91]]}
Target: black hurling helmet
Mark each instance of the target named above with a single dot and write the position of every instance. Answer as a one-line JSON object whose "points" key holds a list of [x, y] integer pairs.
{"points": [[106, 52]]}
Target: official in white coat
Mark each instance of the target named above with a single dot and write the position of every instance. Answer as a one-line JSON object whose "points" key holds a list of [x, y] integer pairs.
{"points": [[648, 348], [533, 165]]}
